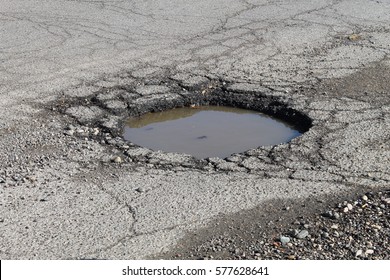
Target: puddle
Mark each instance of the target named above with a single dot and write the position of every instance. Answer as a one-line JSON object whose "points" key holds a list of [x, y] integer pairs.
{"points": [[208, 131]]}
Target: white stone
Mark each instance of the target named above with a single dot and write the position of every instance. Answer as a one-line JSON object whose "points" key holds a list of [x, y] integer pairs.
{"points": [[117, 160]]}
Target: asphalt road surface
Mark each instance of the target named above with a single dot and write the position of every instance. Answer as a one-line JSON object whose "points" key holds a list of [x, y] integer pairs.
{"points": [[70, 190]]}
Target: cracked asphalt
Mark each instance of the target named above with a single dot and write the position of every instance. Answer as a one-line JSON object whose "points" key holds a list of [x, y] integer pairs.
{"points": [[71, 71]]}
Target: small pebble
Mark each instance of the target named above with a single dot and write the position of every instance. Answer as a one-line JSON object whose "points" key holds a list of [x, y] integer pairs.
{"points": [[376, 226], [117, 159], [334, 226], [369, 252], [69, 132], [302, 234], [284, 239], [95, 131], [328, 214]]}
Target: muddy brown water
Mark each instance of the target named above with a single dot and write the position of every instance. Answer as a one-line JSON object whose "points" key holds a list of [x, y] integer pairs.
{"points": [[207, 131]]}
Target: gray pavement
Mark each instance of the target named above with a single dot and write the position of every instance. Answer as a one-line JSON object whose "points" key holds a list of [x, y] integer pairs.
{"points": [[61, 194]]}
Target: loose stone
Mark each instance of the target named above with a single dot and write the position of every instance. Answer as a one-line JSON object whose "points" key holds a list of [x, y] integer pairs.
{"points": [[325, 235], [331, 215], [95, 131], [387, 200], [369, 252], [358, 253], [328, 214], [334, 226], [378, 227], [302, 234], [284, 239], [69, 132], [117, 159]]}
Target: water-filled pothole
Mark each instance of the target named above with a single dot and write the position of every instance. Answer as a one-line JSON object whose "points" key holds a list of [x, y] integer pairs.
{"points": [[207, 131]]}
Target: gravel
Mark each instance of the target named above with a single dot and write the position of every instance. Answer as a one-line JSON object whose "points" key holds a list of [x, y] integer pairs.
{"points": [[362, 232]]}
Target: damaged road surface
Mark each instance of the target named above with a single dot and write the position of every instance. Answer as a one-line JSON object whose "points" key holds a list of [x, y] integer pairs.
{"points": [[72, 72]]}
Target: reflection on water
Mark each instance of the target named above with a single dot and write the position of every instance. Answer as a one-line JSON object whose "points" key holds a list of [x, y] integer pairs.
{"points": [[208, 131]]}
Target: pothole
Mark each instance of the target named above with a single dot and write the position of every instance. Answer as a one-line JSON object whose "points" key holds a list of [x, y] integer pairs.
{"points": [[207, 131], [102, 116]]}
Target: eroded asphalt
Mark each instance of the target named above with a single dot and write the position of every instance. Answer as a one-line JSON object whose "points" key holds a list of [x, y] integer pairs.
{"points": [[71, 71]]}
